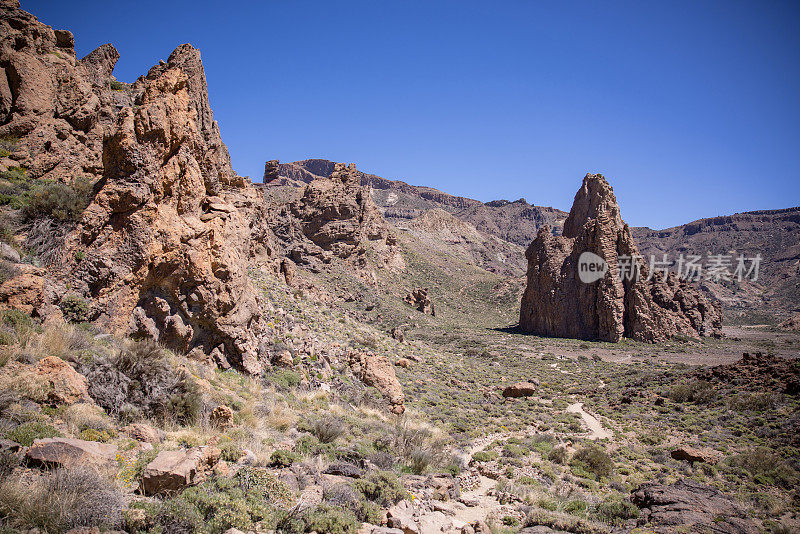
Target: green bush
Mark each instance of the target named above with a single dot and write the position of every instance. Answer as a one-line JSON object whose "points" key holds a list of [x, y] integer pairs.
{"points": [[616, 510], [75, 308], [593, 459], [485, 456], [25, 433], [57, 200], [558, 455], [283, 378], [696, 391], [323, 518], [90, 434], [327, 429], [282, 458], [382, 488], [766, 467]]}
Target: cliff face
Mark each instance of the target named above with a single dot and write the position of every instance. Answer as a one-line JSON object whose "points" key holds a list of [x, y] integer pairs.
{"points": [[163, 247], [557, 303]]}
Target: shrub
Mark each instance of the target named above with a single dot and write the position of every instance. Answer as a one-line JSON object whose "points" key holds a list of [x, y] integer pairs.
{"points": [[327, 429], [177, 516], [343, 495], [25, 433], [766, 467], [283, 378], [323, 518], [420, 460], [57, 200], [281, 458], [593, 459], [696, 391], [382, 488], [230, 452], [558, 455], [75, 308], [60, 501], [140, 382], [485, 456], [616, 510]]}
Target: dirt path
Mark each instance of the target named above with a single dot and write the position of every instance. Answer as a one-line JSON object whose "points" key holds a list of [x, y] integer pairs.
{"points": [[596, 430]]}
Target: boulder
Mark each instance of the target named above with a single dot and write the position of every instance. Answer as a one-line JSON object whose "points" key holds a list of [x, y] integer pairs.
{"points": [[171, 471], [520, 389], [144, 433], [70, 452], [687, 504], [419, 299], [405, 363], [377, 371], [344, 470], [692, 455], [67, 386], [401, 516], [591, 283], [222, 417]]}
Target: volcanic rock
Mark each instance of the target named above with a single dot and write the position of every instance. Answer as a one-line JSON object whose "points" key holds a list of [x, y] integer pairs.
{"points": [[689, 504], [520, 389], [172, 471], [377, 371], [692, 455], [66, 385], [419, 299], [69, 452], [649, 307]]}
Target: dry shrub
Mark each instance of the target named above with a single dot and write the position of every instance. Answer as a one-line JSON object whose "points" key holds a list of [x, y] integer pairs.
{"points": [[60, 501]]}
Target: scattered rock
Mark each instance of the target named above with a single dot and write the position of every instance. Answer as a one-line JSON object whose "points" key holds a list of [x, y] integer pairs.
{"points": [[401, 516], [70, 452], [378, 372], [520, 389], [650, 307], [67, 386], [757, 372], [344, 470], [144, 433]]}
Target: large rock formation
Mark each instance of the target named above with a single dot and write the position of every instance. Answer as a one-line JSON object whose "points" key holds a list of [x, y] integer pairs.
{"points": [[646, 307], [164, 246], [335, 218], [162, 250]]}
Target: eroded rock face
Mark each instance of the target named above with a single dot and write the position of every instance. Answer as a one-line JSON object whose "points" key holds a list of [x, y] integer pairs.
{"points": [[647, 308], [377, 371], [420, 301], [687, 504], [165, 247], [335, 218]]}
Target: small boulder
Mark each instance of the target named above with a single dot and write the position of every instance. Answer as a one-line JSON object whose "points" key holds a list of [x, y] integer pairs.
{"points": [[70, 452], [344, 470], [144, 433], [222, 417], [401, 516], [405, 363], [172, 471], [520, 389], [692, 455], [67, 386]]}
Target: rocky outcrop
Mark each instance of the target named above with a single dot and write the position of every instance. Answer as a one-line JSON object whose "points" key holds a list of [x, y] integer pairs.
{"points": [[377, 371], [162, 249], [618, 303], [335, 218], [757, 372], [690, 506], [420, 301], [692, 454], [520, 389]]}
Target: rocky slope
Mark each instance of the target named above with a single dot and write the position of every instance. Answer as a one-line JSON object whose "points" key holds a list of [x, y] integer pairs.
{"points": [[774, 234], [619, 302]]}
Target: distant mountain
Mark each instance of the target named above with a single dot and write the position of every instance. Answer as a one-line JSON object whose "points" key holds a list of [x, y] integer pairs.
{"points": [[774, 234], [516, 222]]}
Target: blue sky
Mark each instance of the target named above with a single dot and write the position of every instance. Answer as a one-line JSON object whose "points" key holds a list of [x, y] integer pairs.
{"points": [[690, 108]]}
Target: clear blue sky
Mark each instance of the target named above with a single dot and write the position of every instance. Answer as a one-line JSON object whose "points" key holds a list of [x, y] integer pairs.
{"points": [[690, 108]]}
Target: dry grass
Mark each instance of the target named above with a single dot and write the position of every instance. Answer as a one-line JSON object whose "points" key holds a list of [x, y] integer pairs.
{"points": [[61, 500]]}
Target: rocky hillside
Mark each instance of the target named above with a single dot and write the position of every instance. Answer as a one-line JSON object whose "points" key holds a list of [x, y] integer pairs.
{"points": [[774, 234]]}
